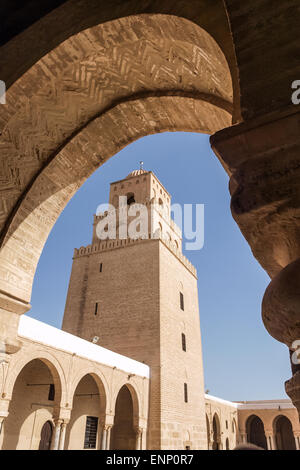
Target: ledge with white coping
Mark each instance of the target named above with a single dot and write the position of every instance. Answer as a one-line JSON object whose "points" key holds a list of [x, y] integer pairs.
{"points": [[40, 332], [220, 400], [254, 405], [280, 404]]}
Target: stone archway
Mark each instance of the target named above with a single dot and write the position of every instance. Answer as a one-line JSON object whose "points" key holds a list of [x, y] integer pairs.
{"points": [[124, 431], [216, 445], [33, 403], [264, 184], [284, 435], [102, 95], [256, 432], [88, 414]]}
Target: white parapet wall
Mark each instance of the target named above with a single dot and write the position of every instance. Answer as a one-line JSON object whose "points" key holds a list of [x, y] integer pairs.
{"points": [[49, 335], [253, 405]]}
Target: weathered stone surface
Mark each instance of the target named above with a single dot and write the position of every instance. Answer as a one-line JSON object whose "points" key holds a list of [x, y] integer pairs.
{"points": [[97, 92], [280, 307], [264, 185], [86, 79], [266, 39], [292, 388], [263, 161]]}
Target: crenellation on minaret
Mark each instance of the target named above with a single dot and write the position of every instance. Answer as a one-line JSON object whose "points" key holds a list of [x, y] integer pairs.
{"points": [[142, 187]]}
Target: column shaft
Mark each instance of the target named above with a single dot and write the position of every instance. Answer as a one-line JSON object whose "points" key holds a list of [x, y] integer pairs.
{"points": [[270, 441], [139, 435], [1, 423], [56, 436], [62, 436], [108, 437], [103, 440]]}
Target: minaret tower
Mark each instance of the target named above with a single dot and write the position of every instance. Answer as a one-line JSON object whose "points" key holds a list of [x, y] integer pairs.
{"points": [[140, 298]]}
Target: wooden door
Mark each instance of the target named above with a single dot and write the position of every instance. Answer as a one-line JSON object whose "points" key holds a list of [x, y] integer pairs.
{"points": [[46, 436]]}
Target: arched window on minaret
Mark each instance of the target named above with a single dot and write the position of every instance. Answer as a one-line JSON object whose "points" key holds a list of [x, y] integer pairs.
{"points": [[130, 199], [160, 229]]}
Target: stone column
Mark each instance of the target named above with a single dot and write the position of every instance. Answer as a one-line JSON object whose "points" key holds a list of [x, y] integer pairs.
{"points": [[1, 427], [273, 440], [108, 435], [2, 418], [104, 438], [144, 439], [270, 440], [4, 405], [139, 435], [243, 436], [56, 435], [62, 436], [297, 440], [262, 158]]}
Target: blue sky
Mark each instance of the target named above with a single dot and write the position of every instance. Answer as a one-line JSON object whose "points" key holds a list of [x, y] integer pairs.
{"points": [[241, 360]]}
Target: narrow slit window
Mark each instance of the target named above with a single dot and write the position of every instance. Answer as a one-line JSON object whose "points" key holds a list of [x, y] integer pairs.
{"points": [[100, 267], [90, 437], [181, 301], [96, 308], [183, 340], [51, 394], [185, 393]]}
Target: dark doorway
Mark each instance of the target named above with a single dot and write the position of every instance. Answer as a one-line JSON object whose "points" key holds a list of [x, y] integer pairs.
{"points": [[216, 433], [284, 434], [123, 435], [256, 432], [46, 436]]}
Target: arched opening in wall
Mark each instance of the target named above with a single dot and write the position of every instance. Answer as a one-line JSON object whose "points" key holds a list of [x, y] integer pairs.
{"points": [[207, 432], [216, 433], [31, 408], [123, 435], [191, 91], [256, 432], [46, 436], [130, 199], [227, 444], [284, 435], [160, 229], [233, 426], [182, 84], [85, 426]]}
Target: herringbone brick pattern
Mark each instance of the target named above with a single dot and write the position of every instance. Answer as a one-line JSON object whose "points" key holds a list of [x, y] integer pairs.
{"points": [[84, 101]]}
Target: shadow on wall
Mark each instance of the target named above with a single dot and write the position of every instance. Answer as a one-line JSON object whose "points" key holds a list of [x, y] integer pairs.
{"points": [[30, 407]]}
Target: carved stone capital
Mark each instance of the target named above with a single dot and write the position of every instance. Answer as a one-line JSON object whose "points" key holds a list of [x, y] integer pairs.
{"points": [[138, 431], [262, 158], [281, 305]]}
